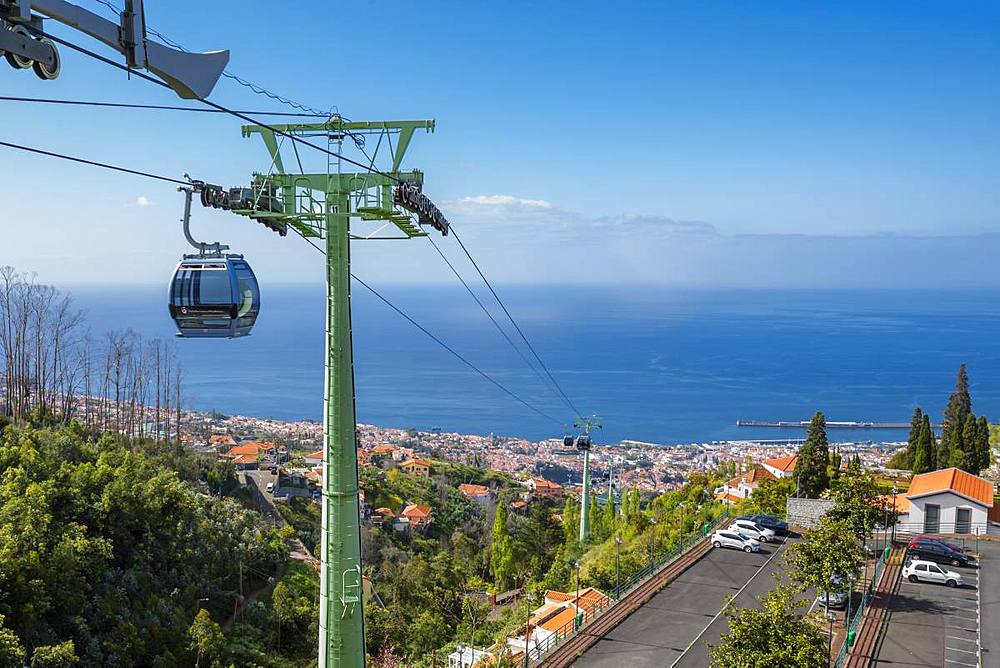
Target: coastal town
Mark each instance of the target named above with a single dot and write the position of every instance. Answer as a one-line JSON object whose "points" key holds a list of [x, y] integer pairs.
{"points": [[650, 468]]}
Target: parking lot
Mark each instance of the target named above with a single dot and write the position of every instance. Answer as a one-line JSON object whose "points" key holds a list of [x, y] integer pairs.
{"points": [[672, 628], [934, 625]]}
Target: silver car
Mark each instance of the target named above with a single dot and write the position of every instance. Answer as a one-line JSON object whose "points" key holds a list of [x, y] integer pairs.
{"points": [[725, 538]]}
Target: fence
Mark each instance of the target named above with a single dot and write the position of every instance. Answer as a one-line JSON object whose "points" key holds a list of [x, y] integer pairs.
{"points": [[540, 646], [859, 613]]}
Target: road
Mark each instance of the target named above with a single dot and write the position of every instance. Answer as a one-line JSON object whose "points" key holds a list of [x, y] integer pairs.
{"points": [[672, 629]]}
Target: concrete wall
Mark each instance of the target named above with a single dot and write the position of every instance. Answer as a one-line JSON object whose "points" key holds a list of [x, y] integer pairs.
{"points": [[806, 512]]}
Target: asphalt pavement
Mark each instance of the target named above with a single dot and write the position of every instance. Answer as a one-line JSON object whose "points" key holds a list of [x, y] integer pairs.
{"points": [[673, 627]]}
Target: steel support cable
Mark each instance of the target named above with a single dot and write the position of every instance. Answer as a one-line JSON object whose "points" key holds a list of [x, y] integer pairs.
{"points": [[232, 112], [93, 163], [441, 343], [163, 107], [568, 401], [489, 315]]}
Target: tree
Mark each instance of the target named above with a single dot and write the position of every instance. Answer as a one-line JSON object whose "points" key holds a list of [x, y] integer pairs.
{"points": [[206, 637], [857, 502], [924, 459], [982, 449], [775, 634], [11, 652], [62, 655], [771, 496], [811, 467], [501, 551], [282, 607], [958, 408], [826, 556]]}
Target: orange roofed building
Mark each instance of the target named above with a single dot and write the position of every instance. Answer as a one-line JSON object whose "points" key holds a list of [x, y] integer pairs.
{"points": [[420, 467], [781, 467], [949, 501], [545, 488], [741, 487], [556, 618], [418, 516]]}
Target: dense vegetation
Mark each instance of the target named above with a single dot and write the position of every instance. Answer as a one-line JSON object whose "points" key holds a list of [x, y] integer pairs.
{"points": [[107, 552], [964, 441]]}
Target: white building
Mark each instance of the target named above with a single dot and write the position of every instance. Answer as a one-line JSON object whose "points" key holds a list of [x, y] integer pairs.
{"points": [[466, 657], [781, 467], [742, 487], [949, 501]]}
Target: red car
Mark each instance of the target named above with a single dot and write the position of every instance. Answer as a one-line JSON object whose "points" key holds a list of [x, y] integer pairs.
{"points": [[916, 540]]}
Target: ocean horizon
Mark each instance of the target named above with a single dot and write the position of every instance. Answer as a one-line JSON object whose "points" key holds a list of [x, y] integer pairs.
{"points": [[658, 365]]}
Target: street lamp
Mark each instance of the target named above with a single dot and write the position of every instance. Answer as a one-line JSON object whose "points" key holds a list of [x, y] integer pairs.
{"points": [[618, 568], [652, 522], [829, 648], [579, 618], [895, 515]]}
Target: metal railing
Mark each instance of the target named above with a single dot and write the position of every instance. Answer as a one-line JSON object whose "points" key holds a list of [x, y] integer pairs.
{"points": [[859, 613], [540, 647]]}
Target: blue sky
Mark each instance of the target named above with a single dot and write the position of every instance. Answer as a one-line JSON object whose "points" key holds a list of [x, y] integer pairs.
{"points": [[752, 144]]}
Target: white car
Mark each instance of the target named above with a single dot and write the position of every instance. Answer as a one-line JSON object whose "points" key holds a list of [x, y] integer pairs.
{"points": [[754, 530], [734, 540], [927, 571]]}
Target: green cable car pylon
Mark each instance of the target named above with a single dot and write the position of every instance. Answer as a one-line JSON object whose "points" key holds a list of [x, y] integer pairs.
{"points": [[583, 443], [323, 206]]}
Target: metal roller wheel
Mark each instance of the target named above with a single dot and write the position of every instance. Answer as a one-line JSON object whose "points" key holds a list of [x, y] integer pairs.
{"points": [[20, 62], [43, 71]]}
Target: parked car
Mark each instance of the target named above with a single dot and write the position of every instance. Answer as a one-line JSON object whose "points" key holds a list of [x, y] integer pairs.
{"points": [[837, 599], [753, 530], [934, 551], [270, 487], [735, 540], [934, 539], [917, 570], [778, 526]]}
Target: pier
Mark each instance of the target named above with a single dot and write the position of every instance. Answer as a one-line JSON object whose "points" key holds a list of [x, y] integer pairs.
{"points": [[803, 424]]}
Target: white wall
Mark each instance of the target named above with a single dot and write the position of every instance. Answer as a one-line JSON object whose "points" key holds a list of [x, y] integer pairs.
{"points": [[949, 503]]}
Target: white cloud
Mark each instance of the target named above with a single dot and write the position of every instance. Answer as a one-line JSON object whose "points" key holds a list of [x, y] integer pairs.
{"points": [[142, 201], [501, 206]]}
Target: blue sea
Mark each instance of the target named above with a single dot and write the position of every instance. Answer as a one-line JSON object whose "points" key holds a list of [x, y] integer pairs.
{"points": [[658, 365]]}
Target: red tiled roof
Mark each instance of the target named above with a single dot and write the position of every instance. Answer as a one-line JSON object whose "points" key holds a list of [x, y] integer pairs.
{"points": [[416, 462], [954, 480], [755, 476], [785, 464], [543, 483], [251, 448], [416, 511], [473, 490], [726, 496], [384, 447], [315, 455]]}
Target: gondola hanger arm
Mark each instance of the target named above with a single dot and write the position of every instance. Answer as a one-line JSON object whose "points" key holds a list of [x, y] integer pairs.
{"points": [[190, 75]]}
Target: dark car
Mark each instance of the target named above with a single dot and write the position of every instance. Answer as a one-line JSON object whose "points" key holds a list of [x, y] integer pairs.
{"points": [[771, 522], [931, 539], [937, 552]]}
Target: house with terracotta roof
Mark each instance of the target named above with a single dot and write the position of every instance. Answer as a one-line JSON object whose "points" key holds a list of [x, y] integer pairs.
{"points": [[946, 501], [248, 455], [420, 467], [545, 488], [781, 467], [556, 618], [314, 458], [477, 493], [382, 515], [414, 516], [741, 487], [221, 440]]}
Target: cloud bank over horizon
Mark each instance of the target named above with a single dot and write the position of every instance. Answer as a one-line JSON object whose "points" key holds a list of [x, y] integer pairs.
{"points": [[520, 240]]}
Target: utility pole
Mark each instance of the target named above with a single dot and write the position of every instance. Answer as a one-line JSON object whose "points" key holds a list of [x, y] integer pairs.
{"points": [[583, 443], [322, 206]]}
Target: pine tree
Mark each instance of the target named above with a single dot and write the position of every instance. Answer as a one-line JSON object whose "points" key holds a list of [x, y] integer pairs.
{"points": [[982, 449], [609, 521], [913, 441], [501, 551], [924, 459], [959, 407], [963, 454], [814, 457]]}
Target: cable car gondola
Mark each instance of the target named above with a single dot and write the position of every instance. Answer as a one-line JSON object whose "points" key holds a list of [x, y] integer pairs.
{"points": [[212, 294]]}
